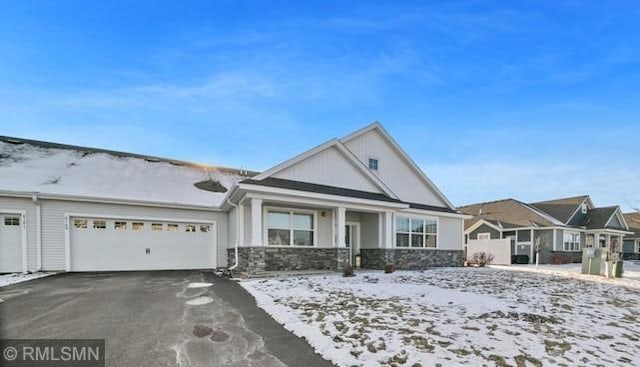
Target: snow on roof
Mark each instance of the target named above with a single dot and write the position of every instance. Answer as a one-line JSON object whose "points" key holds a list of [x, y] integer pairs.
{"points": [[30, 166]]}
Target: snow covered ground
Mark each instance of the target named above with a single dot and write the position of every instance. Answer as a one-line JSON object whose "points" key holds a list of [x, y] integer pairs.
{"points": [[456, 316], [14, 278], [630, 278]]}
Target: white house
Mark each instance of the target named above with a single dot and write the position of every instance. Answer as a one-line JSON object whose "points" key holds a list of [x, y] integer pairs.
{"points": [[357, 200]]}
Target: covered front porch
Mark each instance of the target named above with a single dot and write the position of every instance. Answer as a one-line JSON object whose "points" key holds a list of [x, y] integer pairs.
{"points": [[284, 233]]}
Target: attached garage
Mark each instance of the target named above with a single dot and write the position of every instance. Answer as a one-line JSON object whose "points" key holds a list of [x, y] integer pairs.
{"points": [[105, 243], [13, 248]]}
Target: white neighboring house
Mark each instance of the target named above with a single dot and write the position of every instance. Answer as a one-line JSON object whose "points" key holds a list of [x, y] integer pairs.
{"points": [[358, 200]]}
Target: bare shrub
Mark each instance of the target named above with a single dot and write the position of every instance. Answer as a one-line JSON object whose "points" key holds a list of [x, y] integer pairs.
{"points": [[348, 271], [480, 259], [389, 268]]}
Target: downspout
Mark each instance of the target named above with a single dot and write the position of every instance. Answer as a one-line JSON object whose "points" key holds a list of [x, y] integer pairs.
{"points": [[38, 232], [237, 241]]}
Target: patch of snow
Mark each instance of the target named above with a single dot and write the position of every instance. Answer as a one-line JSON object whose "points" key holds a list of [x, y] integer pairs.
{"points": [[14, 278], [199, 285], [30, 168], [457, 316], [199, 301]]}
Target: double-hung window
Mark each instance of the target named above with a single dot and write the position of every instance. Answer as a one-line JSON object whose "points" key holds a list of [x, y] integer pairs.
{"points": [[571, 241], [416, 232], [290, 228]]}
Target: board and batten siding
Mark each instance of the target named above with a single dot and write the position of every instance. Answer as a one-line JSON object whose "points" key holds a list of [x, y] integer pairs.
{"points": [[393, 169], [53, 226], [27, 205], [329, 167]]}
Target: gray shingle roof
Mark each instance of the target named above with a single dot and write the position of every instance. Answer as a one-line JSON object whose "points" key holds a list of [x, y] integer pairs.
{"points": [[598, 217], [508, 213], [339, 191], [561, 209], [633, 220]]}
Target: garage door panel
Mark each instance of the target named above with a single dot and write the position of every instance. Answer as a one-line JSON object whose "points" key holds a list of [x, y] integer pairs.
{"points": [[140, 245]]}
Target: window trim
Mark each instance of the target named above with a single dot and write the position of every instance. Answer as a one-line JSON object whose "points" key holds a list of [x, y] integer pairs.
{"points": [[564, 242], [265, 225], [415, 216]]}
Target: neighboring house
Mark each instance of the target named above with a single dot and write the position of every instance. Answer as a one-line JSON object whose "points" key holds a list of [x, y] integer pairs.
{"points": [[631, 248], [562, 226], [359, 198]]}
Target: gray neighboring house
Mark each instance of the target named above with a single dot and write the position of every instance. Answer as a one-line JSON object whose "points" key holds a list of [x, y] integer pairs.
{"points": [[563, 226], [631, 247], [355, 200]]}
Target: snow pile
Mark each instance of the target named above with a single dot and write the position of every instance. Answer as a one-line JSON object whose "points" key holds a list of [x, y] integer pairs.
{"points": [[9, 279], [457, 316], [30, 168]]}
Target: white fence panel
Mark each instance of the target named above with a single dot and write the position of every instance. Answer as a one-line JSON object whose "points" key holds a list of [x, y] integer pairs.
{"points": [[500, 249]]}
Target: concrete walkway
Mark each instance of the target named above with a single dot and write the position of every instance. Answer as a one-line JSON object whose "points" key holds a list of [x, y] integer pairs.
{"points": [[154, 319]]}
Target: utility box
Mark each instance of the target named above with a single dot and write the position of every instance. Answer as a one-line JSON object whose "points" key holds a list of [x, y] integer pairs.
{"points": [[591, 260], [597, 261]]}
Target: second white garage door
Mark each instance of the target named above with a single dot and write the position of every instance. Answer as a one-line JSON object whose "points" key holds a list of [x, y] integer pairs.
{"points": [[102, 244]]}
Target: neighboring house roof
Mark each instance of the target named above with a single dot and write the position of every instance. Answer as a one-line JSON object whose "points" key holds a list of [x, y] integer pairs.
{"points": [[507, 213], [59, 169], [598, 217], [561, 209], [339, 191], [633, 220]]}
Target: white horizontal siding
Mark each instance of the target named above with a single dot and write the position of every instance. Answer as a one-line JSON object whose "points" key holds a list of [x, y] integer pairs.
{"points": [[53, 226], [28, 206]]}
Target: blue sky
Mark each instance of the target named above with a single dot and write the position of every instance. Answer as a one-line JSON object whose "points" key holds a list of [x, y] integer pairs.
{"points": [[532, 100]]}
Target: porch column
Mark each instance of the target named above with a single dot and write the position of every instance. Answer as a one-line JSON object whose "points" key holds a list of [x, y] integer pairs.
{"points": [[387, 241], [341, 222], [256, 222]]}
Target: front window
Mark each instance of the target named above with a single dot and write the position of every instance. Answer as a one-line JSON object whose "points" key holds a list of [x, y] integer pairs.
{"points": [[571, 241], [416, 232], [137, 226], [120, 226], [290, 228]]}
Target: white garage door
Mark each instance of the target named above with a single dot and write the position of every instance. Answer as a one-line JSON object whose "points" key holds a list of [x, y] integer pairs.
{"points": [[10, 243], [98, 244]]}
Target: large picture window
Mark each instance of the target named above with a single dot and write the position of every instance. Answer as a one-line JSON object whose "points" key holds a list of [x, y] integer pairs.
{"points": [[571, 241], [290, 228], [416, 232]]}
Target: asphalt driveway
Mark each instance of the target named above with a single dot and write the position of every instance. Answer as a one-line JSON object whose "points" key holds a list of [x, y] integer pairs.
{"points": [[154, 319]]}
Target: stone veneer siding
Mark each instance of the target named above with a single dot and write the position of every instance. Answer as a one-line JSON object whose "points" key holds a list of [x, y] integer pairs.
{"points": [[565, 256], [257, 259], [410, 259]]}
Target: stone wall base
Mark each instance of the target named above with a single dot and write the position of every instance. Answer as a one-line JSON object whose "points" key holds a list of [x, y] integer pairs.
{"points": [[562, 257], [410, 259], [257, 259]]}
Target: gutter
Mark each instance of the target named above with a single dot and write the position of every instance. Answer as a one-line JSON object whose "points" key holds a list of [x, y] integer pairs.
{"points": [[237, 241], [35, 200]]}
